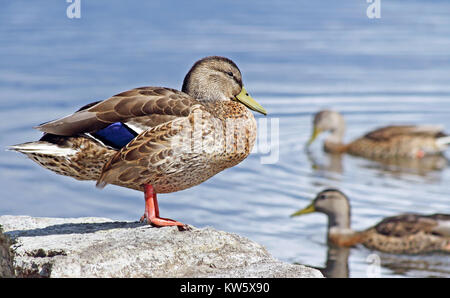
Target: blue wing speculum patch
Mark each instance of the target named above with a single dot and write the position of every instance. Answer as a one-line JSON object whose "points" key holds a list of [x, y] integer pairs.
{"points": [[116, 135]]}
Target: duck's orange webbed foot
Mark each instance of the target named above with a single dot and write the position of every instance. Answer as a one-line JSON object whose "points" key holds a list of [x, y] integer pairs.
{"points": [[151, 214]]}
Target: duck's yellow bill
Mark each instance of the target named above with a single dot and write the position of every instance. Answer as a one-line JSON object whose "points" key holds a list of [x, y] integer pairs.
{"points": [[249, 102], [314, 135], [309, 209]]}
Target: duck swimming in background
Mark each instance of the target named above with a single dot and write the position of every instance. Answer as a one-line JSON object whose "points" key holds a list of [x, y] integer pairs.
{"points": [[155, 139], [400, 141], [406, 233]]}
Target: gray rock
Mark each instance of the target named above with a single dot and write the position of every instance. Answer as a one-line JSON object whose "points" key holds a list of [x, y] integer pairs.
{"points": [[100, 247]]}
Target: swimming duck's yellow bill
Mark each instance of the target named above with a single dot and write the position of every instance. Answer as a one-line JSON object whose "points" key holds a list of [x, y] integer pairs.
{"points": [[309, 209], [314, 135], [248, 101]]}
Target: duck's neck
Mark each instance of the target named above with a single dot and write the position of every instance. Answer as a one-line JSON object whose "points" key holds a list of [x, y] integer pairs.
{"points": [[333, 143], [332, 147], [339, 231], [339, 221]]}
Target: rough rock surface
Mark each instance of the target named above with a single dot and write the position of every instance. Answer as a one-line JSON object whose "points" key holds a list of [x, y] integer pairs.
{"points": [[99, 247]]}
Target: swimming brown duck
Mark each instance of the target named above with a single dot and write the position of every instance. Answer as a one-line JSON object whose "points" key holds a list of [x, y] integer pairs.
{"points": [[155, 139], [406, 233], [396, 141]]}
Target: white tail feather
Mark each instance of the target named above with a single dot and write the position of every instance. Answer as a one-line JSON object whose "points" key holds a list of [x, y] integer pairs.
{"points": [[43, 148]]}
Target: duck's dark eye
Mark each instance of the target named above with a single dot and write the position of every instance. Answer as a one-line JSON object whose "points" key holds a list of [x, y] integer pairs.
{"points": [[322, 197], [230, 73]]}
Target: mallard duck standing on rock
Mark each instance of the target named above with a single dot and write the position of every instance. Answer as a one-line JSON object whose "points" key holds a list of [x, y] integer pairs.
{"points": [[406, 233], [401, 141], [155, 139]]}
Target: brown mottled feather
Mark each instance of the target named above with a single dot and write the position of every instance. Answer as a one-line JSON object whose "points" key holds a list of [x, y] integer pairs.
{"points": [[144, 122], [86, 164], [406, 224], [389, 132], [144, 101]]}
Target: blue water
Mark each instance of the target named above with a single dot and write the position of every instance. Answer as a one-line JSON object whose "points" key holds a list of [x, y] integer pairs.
{"points": [[297, 57]]}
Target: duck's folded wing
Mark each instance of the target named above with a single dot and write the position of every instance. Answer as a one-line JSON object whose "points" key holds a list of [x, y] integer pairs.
{"points": [[159, 104], [389, 132], [152, 153], [409, 224]]}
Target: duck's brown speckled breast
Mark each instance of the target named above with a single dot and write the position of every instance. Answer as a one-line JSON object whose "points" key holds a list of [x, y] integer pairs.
{"points": [[213, 141]]}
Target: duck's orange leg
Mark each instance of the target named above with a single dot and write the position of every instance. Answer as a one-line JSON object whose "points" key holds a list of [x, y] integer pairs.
{"points": [[151, 214]]}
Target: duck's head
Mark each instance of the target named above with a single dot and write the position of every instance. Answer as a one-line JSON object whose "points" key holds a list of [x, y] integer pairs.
{"points": [[218, 78], [330, 121], [334, 204]]}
